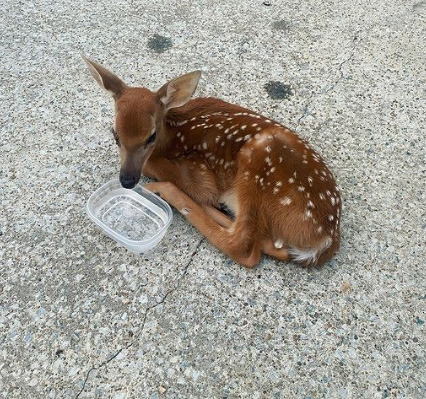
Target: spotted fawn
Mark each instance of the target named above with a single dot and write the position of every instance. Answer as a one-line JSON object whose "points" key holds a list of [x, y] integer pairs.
{"points": [[206, 152]]}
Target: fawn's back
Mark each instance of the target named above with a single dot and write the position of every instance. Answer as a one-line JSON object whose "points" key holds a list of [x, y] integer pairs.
{"points": [[290, 187]]}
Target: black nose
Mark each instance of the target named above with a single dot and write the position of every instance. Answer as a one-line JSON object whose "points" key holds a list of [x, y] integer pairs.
{"points": [[127, 181]]}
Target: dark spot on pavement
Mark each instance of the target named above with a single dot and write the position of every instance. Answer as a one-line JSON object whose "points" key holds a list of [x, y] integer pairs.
{"points": [[278, 90], [281, 25], [159, 43]]}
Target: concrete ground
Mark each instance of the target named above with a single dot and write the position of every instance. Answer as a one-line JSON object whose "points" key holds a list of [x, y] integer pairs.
{"points": [[81, 317]]}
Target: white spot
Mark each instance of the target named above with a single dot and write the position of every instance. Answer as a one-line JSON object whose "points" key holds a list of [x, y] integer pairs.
{"points": [[182, 139], [311, 204], [205, 145], [278, 184], [278, 244], [276, 189], [238, 139], [257, 136], [258, 129], [226, 131], [243, 127], [285, 201], [308, 214], [301, 188], [179, 134], [330, 218], [267, 121], [291, 180], [310, 180], [193, 119], [223, 144], [254, 124], [268, 148], [322, 196], [319, 229], [217, 139], [193, 127], [219, 126], [184, 211], [273, 169], [247, 137], [333, 201]]}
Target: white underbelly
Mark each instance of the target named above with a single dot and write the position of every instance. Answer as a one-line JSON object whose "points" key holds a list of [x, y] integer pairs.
{"points": [[229, 198]]}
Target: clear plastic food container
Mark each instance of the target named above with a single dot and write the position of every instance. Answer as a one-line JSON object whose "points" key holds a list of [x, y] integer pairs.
{"points": [[136, 218]]}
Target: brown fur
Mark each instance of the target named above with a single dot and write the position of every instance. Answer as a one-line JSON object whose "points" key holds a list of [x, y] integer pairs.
{"points": [[285, 199]]}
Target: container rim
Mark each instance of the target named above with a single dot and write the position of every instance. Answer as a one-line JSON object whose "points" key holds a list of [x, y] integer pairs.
{"points": [[112, 233]]}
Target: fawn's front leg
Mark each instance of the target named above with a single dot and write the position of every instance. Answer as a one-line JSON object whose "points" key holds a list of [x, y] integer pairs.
{"points": [[188, 174], [232, 237], [236, 241]]}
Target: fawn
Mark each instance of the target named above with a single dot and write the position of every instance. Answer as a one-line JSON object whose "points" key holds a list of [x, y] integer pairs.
{"points": [[206, 152]]}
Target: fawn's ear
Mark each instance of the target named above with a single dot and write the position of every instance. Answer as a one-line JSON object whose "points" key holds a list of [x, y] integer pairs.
{"points": [[106, 79], [178, 91]]}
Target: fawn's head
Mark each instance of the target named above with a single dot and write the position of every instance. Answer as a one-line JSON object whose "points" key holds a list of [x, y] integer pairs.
{"points": [[139, 112]]}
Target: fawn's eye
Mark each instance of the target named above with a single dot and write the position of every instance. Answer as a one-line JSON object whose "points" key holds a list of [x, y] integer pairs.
{"points": [[114, 133], [151, 138]]}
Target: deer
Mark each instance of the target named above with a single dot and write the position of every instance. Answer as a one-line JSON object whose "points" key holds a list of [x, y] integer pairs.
{"points": [[205, 154]]}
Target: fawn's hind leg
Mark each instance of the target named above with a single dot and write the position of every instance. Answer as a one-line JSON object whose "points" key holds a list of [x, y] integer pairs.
{"points": [[268, 248], [234, 240]]}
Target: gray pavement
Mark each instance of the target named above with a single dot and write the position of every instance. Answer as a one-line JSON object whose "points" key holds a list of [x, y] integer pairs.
{"points": [[81, 317]]}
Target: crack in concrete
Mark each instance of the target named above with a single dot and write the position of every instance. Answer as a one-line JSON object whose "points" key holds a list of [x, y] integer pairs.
{"points": [[326, 89], [176, 286]]}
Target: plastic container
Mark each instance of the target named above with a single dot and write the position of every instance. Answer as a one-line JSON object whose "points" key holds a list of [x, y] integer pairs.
{"points": [[136, 218]]}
